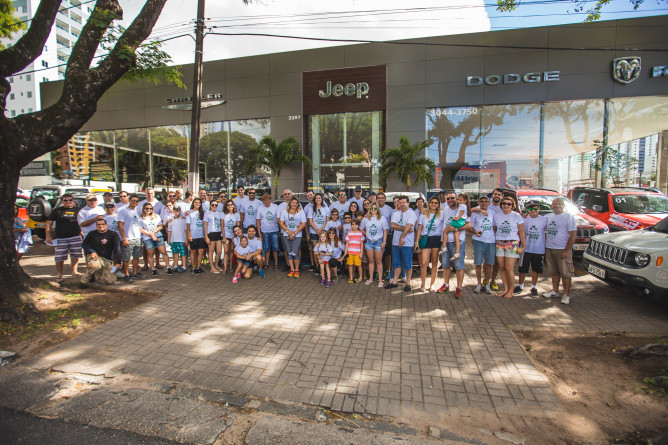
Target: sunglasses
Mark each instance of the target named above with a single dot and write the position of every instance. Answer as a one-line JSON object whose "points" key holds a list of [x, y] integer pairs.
{"points": [[68, 200], [533, 208], [450, 199], [230, 205], [251, 193], [92, 199], [506, 203], [209, 194], [134, 200]]}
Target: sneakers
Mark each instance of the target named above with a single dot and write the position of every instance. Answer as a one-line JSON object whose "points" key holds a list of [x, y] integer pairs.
{"points": [[391, 286], [350, 282], [565, 299], [458, 293], [137, 275], [517, 290], [154, 273], [128, 279], [494, 286], [488, 290], [180, 269], [235, 280], [292, 272], [534, 292], [443, 289], [329, 283], [169, 271], [113, 269], [478, 288], [407, 288], [551, 294], [322, 281], [261, 273], [296, 274]]}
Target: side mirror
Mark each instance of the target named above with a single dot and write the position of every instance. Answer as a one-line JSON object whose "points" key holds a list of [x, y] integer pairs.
{"points": [[597, 208]]}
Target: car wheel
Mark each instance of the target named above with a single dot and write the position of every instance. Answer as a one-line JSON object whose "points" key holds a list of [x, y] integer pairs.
{"points": [[39, 209]]}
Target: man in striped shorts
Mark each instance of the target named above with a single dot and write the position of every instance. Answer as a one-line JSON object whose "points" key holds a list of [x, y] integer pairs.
{"points": [[68, 235]]}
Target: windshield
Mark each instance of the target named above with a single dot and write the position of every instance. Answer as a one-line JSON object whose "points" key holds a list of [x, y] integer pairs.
{"points": [[546, 203], [640, 203], [661, 226]]}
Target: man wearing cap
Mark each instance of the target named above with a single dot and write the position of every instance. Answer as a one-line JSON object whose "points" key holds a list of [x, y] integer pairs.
{"points": [[267, 223], [106, 197], [103, 255], [111, 217], [358, 197], [560, 235], [89, 214], [534, 254]]}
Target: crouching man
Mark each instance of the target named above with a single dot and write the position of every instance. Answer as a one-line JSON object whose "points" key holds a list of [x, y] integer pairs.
{"points": [[102, 248]]}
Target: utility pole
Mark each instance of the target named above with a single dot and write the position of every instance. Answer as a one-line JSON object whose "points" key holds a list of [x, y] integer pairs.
{"points": [[193, 173]]}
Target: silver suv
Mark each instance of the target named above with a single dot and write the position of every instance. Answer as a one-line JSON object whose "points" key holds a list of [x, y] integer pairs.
{"points": [[637, 259]]}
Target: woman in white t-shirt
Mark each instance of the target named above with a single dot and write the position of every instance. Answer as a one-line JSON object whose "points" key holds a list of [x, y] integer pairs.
{"points": [[150, 226], [195, 235], [213, 235], [375, 230], [430, 224], [510, 242], [229, 221], [292, 222]]}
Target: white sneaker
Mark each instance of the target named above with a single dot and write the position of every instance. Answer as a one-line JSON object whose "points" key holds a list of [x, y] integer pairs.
{"points": [[488, 290], [565, 299], [478, 288], [551, 294]]}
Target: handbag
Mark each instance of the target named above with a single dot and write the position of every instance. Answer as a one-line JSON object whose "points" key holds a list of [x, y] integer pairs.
{"points": [[422, 243]]}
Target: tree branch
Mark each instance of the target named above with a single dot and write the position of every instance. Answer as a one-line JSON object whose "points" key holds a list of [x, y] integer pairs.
{"points": [[30, 46]]}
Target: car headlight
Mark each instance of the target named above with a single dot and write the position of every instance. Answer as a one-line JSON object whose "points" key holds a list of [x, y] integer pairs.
{"points": [[641, 259]]}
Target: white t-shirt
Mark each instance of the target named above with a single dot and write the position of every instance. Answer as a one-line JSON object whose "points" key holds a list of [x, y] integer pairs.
{"points": [[185, 206], [337, 251], [177, 228], [359, 202], [112, 222], [130, 219], [485, 224], [507, 226], [492, 209], [239, 250], [255, 244], [150, 224], [325, 250], [268, 218], [230, 220], [120, 205], [386, 211], [448, 215], [334, 224], [534, 232], [373, 228], [318, 217], [212, 222], [342, 208], [239, 202], [403, 219], [249, 209], [293, 221], [196, 225], [558, 228], [436, 226], [157, 206], [346, 228], [88, 213]]}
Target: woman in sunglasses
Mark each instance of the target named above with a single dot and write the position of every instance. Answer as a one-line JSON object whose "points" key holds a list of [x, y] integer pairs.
{"points": [[230, 220], [510, 242], [150, 227], [213, 235], [195, 235]]}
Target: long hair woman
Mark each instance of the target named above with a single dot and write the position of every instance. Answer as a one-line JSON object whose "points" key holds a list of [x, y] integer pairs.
{"points": [[213, 236], [293, 221], [510, 242], [231, 219], [195, 235], [430, 224]]}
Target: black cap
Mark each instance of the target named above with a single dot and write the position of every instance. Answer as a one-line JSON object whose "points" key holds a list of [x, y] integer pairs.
{"points": [[109, 204], [358, 188], [532, 203]]}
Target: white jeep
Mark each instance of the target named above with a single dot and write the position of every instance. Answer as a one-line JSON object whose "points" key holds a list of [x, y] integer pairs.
{"points": [[635, 259]]}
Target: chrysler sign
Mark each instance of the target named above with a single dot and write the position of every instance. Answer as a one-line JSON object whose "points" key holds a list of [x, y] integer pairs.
{"points": [[511, 78]]}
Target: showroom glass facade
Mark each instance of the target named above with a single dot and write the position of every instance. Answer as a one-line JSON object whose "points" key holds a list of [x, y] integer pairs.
{"points": [[159, 155], [554, 145]]}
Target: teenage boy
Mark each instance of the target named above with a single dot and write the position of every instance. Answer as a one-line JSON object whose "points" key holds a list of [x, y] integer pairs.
{"points": [[534, 254]]}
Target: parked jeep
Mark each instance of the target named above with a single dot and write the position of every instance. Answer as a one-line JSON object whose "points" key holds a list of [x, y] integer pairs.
{"points": [[633, 259]]}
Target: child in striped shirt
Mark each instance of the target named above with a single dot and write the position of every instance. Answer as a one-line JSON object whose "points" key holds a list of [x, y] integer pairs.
{"points": [[354, 240]]}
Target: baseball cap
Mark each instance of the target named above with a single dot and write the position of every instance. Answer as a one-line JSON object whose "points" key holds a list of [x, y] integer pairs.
{"points": [[358, 188], [109, 204], [90, 196], [532, 203]]}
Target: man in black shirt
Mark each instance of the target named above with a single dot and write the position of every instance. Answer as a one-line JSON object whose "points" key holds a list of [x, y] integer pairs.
{"points": [[103, 251], [68, 235]]}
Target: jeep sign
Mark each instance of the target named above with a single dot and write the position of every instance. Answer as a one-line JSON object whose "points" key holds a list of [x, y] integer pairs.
{"points": [[351, 89]]}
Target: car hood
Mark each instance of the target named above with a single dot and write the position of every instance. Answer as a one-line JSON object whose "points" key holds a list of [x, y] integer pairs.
{"points": [[647, 219], [639, 240]]}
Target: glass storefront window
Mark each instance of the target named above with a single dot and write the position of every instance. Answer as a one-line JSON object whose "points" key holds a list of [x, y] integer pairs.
{"points": [[345, 148]]}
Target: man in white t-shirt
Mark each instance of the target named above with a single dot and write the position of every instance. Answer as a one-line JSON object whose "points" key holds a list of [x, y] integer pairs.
{"points": [[131, 245], [342, 205], [449, 246], [267, 222], [386, 212], [124, 200], [206, 198], [484, 244], [248, 210], [89, 215], [534, 254], [358, 197], [403, 242], [241, 198], [560, 235]]}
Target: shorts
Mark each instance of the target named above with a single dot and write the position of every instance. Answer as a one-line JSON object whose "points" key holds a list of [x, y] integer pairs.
{"points": [[178, 249], [374, 245], [433, 242], [133, 251], [402, 257], [270, 242], [313, 237], [151, 245], [353, 260], [555, 264], [215, 236], [449, 251], [71, 246], [535, 260], [247, 263], [197, 244], [508, 249], [324, 260], [334, 263], [484, 253]]}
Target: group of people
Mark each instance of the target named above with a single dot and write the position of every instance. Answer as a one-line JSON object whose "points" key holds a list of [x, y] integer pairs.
{"points": [[365, 237]]}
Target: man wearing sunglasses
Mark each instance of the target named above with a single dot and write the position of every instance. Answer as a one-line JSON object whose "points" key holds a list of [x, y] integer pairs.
{"points": [[451, 210], [248, 210], [342, 205], [128, 225], [89, 215], [534, 254], [68, 235], [124, 201]]}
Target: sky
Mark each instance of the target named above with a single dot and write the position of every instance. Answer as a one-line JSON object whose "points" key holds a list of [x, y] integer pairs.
{"points": [[376, 20]]}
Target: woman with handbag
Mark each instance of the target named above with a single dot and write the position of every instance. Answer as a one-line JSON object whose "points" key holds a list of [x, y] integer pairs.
{"points": [[430, 229]]}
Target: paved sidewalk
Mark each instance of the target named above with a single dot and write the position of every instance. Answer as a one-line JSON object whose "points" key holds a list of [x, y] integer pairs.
{"points": [[351, 348]]}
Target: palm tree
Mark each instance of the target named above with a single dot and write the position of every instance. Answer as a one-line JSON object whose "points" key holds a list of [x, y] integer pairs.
{"points": [[267, 153], [405, 162]]}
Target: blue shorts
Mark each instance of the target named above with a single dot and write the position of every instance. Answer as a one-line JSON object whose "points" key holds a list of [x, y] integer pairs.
{"points": [[246, 263], [484, 253], [402, 257], [150, 244], [374, 245], [178, 249], [270, 242], [450, 250]]}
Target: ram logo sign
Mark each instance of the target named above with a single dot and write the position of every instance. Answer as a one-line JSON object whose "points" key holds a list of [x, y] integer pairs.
{"points": [[626, 69]]}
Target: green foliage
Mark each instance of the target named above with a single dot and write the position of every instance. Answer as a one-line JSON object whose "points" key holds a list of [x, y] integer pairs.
{"points": [[613, 162], [405, 162], [9, 22], [213, 151], [152, 64], [268, 154], [593, 12]]}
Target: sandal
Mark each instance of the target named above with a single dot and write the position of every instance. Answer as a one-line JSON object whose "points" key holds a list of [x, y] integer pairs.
{"points": [[77, 274], [380, 283], [276, 267], [369, 281], [422, 289], [144, 268], [59, 280], [159, 266]]}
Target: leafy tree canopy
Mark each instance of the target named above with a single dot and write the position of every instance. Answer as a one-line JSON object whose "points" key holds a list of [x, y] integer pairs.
{"points": [[593, 11]]}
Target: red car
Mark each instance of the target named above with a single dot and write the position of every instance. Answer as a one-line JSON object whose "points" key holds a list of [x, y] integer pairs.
{"points": [[588, 226], [622, 208]]}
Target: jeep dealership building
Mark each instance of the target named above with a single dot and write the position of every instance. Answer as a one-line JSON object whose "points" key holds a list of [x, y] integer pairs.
{"points": [[553, 107]]}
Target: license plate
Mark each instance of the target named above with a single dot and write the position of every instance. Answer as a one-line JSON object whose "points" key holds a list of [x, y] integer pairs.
{"points": [[597, 271], [580, 247]]}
